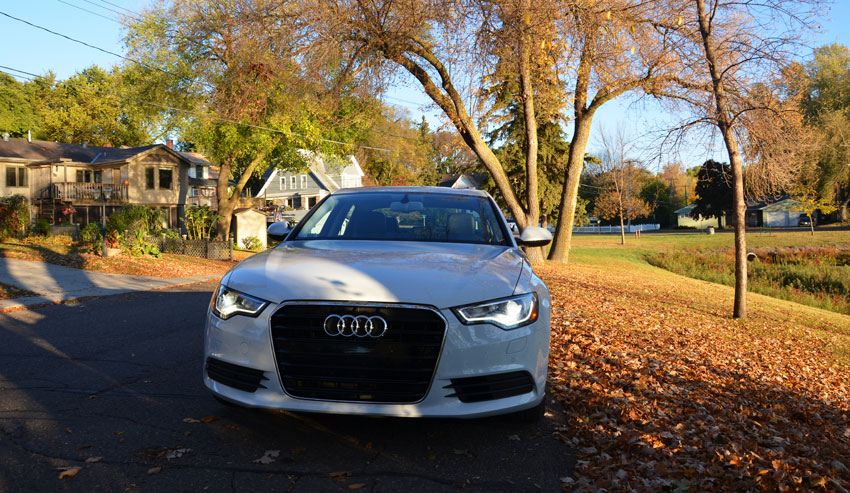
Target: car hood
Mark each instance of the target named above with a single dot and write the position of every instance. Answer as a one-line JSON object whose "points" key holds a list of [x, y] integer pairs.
{"points": [[437, 274]]}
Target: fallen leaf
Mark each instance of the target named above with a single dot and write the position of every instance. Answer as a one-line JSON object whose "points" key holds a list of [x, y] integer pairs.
{"points": [[513, 438], [154, 470], [83, 447], [356, 486], [191, 420], [209, 419], [231, 427], [69, 472], [92, 460]]}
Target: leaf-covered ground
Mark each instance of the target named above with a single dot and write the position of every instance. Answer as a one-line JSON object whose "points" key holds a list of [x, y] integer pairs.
{"points": [[665, 391], [8, 292], [60, 251]]}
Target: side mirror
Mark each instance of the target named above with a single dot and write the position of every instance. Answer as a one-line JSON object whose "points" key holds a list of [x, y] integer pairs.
{"points": [[534, 236], [278, 231]]}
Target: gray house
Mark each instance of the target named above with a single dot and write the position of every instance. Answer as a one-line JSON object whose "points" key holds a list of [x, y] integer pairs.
{"points": [[303, 189]]}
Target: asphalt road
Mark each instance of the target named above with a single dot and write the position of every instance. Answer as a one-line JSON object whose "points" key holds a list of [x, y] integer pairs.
{"points": [[117, 381]]}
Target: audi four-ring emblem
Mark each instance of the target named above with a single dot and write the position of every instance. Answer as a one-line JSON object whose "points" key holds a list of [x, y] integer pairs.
{"points": [[355, 325]]}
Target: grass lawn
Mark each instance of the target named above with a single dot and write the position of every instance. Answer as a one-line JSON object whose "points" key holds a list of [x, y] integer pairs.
{"points": [[664, 390]]}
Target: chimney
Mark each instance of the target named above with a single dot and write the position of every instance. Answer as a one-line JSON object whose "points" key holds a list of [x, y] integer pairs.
{"points": [[169, 143], [29, 136], [5, 137], [85, 144]]}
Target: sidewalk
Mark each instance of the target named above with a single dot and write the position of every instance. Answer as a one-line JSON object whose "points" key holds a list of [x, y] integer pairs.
{"points": [[55, 283]]}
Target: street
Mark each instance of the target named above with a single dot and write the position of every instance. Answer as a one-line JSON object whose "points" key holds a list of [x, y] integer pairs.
{"points": [[113, 386]]}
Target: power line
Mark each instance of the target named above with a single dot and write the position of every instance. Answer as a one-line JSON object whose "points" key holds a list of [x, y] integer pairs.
{"points": [[119, 6], [86, 44], [30, 76], [104, 8], [89, 11]]}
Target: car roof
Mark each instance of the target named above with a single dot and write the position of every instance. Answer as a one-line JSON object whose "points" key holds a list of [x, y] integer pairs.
{"points": [[434, 190]]}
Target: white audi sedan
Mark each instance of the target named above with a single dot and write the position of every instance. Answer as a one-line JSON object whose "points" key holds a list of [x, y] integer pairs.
{"points": [[397, 301]]}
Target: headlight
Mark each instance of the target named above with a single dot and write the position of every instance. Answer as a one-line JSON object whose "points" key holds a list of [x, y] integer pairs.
{"points": [[508, 313], [227, 303]]}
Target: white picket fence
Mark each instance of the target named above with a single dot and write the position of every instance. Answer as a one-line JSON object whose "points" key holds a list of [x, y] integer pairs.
{"points": [[616, 229]]}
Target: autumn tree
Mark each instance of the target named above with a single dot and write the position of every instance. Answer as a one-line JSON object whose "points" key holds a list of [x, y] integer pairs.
{"points": [[617, 171], [822, 84], [616, 47], [726, 46], [256, 95], [446, 47], [397, 151]]}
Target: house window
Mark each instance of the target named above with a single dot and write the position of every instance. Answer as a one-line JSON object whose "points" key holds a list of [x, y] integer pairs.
{"points": [[292, 182], [16, 176], [283, 183], [199, 171], [303, 181], [149, 178], [165, 178], [85, 176], [98, 176]]}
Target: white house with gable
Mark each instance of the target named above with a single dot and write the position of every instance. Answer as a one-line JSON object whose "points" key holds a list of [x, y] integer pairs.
{"points": [[303, 189]]}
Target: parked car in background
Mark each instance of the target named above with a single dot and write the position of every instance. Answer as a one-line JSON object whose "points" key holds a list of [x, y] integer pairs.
{"points": [[386, 302], [807, 221]]}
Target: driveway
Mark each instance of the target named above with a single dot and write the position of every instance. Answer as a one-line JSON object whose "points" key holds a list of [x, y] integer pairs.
{"points": [[112, 386]]}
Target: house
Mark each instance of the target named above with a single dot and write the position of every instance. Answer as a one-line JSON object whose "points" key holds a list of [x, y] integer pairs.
{"points": [[303, 189], [778, 212], [773, 213], [684, 219], [463, 181], [95, 181]]}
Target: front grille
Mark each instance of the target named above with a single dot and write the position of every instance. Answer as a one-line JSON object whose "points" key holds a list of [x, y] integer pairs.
{"points": [[490, 387], [395, 368], [236, 376]]}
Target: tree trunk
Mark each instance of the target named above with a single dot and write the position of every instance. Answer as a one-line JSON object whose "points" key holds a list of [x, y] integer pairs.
{"points": [[812, 224], [227, 201], [622, 226], [225, 204], [535, 254], [560, 251], [725, 124], [842, 212]]}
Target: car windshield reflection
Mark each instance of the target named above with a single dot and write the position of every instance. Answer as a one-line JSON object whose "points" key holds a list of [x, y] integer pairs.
{"points": [[405, 216]]}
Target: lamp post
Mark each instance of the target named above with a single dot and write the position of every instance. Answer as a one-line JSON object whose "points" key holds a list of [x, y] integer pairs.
{"points": [[106, 194]]}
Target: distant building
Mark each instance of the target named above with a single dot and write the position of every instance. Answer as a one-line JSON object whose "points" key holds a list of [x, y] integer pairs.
{"points": [[303, 189], [463, 181], [95, 180], [766, 213], [684, 219]]}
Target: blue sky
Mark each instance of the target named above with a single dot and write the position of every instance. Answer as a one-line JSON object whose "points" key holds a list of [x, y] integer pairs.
{"points": [[93, 21]]}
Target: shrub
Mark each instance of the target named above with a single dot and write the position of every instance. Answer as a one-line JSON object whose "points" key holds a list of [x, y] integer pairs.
{"points": [[91, 236], [42, 227], [14, 216], [200, 222], [252, 243], [140, 246]]}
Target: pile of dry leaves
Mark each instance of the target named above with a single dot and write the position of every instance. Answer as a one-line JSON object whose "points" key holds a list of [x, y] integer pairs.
{"points": [[664, 390]]}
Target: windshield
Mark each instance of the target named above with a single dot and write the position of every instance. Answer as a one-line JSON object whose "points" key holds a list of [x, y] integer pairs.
{"points": [[404, 216]]}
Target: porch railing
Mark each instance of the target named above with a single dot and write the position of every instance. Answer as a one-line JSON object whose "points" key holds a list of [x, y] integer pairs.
{"points": [[94, 192]]}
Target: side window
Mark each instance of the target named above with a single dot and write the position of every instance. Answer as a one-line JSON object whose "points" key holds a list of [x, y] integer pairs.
{"points": [[303, 181], [149, 178], [165, 178], [292, 182], [282, 183]]}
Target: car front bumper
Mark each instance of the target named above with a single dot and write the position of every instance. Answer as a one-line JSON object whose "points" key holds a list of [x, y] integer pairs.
{"points": [[468, 351]]}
